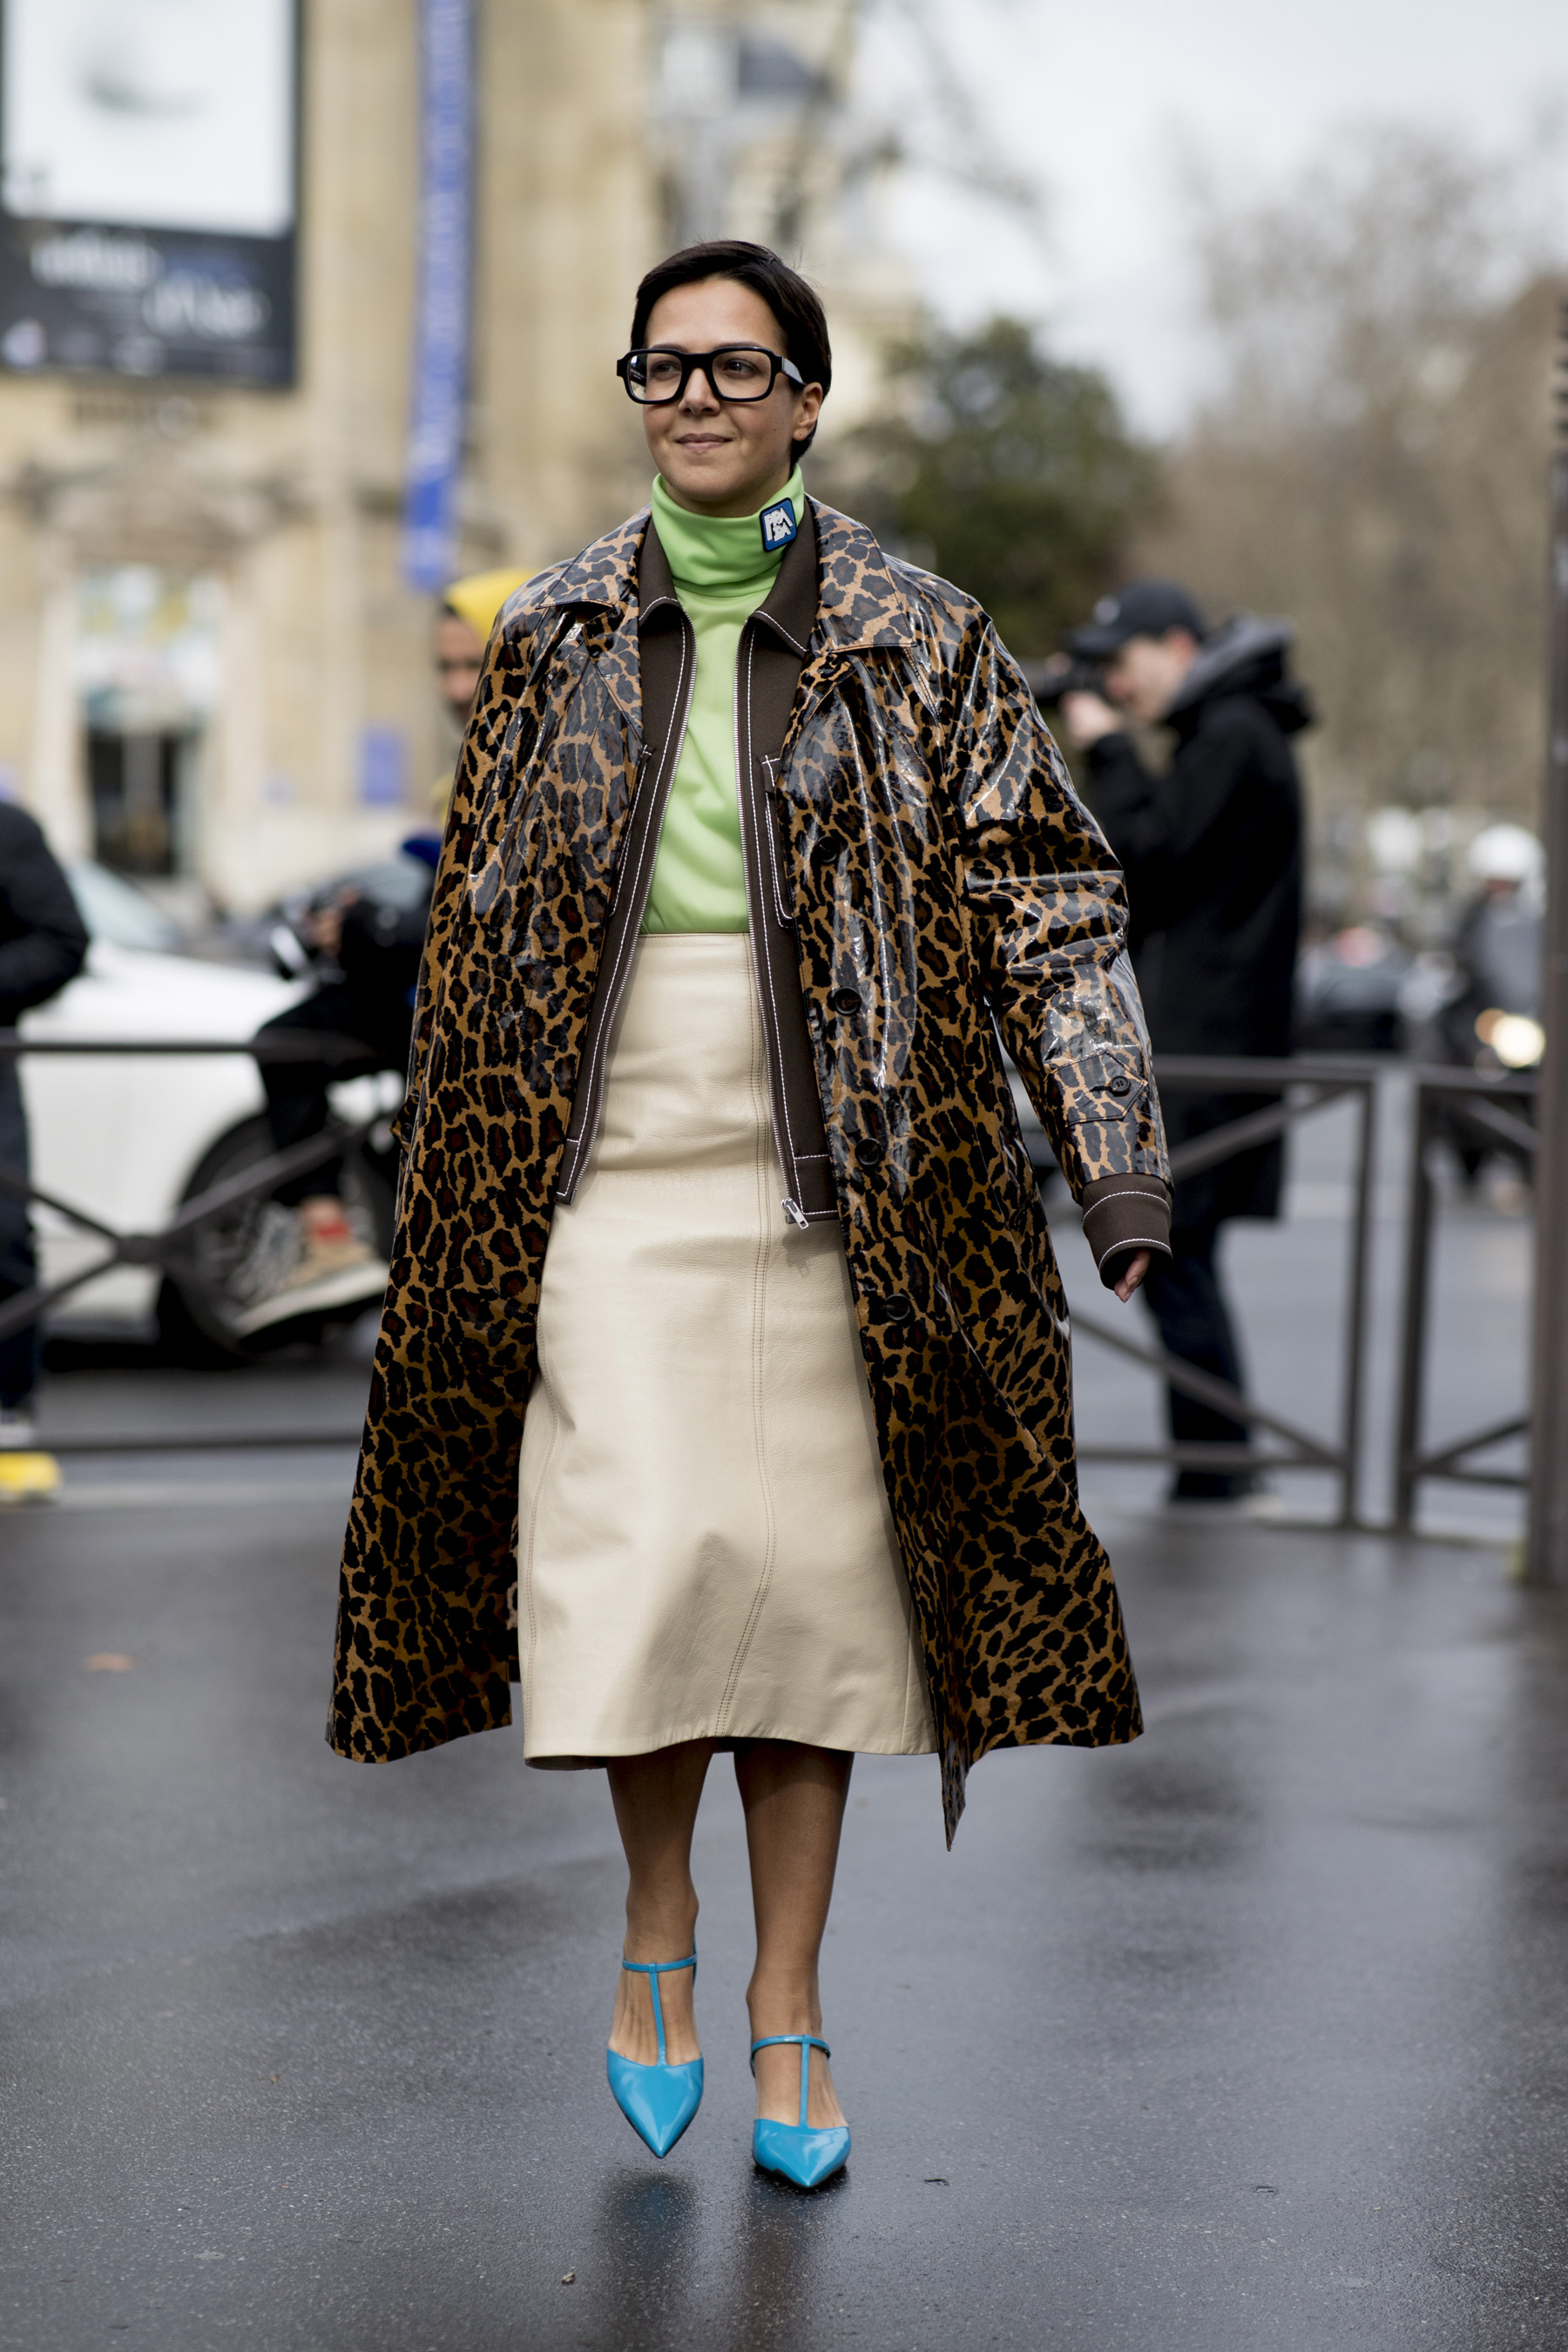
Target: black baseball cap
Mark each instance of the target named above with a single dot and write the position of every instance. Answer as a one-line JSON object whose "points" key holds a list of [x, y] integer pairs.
{"points": [[1145, 608]]}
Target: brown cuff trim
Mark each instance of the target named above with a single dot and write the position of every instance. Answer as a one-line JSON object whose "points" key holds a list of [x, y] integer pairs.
{"points": [[1123, 1214]]}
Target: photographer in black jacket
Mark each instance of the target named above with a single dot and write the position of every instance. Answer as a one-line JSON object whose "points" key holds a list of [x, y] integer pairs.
{"points": [[43, 945], [1212, 854]]}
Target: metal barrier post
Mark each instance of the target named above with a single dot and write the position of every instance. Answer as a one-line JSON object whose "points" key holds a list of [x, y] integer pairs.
{"points": [[1413, 1331], [1478, 1101], [1546, 1540], [1302, 1087], [1356, 1312]]}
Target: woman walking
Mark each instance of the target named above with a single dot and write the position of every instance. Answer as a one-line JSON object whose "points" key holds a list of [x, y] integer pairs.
{"points": [[722, 1390]]}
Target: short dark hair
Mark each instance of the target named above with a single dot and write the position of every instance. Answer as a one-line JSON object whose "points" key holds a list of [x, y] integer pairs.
{"points": [[793, 302]]}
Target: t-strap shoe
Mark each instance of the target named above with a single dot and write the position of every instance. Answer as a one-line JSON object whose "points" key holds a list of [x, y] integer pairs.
{"points": [[808, 2158], [657, 2101]]}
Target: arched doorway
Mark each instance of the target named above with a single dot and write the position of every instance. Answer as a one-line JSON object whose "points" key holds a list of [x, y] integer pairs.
{"points": [[147, 676]]}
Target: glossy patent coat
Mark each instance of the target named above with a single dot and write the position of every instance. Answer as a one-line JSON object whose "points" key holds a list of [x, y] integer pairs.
{"points": [[942, 870]]}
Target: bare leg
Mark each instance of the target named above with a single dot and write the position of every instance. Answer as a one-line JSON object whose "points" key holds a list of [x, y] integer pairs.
{"points": [[656, 1799], [794, 1798]]}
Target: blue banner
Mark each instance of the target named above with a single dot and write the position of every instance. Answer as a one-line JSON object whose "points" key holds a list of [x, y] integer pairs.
{"points": [[438, 404]]}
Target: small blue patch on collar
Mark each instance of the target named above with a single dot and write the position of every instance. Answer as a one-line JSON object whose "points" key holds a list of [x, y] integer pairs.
{"points": [[777, 525]]}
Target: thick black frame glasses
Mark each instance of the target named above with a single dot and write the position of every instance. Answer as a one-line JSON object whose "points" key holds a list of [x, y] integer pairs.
{"points": [[633, 372]]}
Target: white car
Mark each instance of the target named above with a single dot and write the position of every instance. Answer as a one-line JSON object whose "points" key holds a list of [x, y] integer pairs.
{"points": [[128, 1138]]}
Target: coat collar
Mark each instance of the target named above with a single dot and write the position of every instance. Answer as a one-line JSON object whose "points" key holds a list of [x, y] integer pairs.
{"points": [[858, 602], [789, 608]]}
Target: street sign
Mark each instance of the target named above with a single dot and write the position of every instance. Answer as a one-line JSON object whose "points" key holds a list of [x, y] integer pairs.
{"points": [[148, 179], [438, 413]]}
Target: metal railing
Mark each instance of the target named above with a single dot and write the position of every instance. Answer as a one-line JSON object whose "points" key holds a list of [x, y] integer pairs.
{"points": [[1309, 1084], [1479, 1101], [167, 1248], [1302, 1086]]}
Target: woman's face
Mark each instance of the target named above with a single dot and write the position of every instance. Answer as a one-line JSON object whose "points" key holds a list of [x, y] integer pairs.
{"points": [[724, 458], [459, 657]]}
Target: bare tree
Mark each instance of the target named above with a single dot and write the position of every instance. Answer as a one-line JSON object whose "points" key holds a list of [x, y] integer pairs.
{"points": [[1010, 472], [1373, 459]]}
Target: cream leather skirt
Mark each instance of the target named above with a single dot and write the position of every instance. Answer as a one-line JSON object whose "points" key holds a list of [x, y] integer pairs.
{"points": [[705, 1546]]}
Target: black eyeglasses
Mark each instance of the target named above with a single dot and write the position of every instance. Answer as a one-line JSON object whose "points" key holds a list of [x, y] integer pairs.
{"points": [[654, 377]]}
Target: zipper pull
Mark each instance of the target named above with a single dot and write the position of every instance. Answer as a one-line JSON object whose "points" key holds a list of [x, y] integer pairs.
{"points": [[795, 1214]]}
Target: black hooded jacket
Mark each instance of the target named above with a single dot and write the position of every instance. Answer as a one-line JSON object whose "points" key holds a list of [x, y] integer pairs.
{"points": [[1212, 854], [42, 944]]}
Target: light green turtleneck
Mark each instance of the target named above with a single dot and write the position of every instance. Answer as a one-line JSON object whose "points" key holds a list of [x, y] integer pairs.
{"points": [[722, 575]]}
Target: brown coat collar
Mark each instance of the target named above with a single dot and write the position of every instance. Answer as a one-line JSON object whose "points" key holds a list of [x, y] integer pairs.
{"points": [[789, 608], [858, 602]]}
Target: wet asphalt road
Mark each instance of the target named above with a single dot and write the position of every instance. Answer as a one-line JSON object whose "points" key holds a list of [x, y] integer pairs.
{"points": [[1250, 2035]]}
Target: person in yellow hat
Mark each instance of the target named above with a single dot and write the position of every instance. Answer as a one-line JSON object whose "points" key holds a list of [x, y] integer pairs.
{"points": [[463, 626], [467, 614]]}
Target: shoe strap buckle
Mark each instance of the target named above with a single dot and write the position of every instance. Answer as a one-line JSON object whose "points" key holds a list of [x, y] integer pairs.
{"points": [[653, 1971], [808, 2043]]}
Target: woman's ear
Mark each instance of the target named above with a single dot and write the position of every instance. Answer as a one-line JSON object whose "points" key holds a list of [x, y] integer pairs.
{"points": [[806, 425]]}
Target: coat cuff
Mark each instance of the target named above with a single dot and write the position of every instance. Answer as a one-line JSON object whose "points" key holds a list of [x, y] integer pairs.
{"points": [[1122, 1215]]}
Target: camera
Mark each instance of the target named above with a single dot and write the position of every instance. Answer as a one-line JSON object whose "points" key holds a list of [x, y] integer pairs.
{"points": [[1060, 675]]}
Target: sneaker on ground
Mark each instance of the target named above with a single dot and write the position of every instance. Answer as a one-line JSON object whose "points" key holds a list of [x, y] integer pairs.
{"points": [[328, 1267], [27, 1477]]}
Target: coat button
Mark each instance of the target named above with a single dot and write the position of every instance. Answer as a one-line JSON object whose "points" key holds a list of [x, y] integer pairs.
{"points": [[845, 1000], [870, 1152], [1121, 1085], [895, 1307]]}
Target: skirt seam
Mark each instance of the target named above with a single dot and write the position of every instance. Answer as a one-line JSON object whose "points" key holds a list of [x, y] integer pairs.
{"points": [[525, 1576], [914, 1682], [758, 1417]]}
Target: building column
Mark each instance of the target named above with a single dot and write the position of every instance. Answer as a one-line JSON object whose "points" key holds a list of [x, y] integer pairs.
{"points": [[57, 781]]}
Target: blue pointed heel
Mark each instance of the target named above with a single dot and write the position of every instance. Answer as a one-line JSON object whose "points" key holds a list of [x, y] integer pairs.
{"points": [[657, 2101], [806, 2157]]}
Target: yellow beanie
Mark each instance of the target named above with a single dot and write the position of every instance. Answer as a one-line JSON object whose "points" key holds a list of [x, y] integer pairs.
{"points": [[480, 596]]}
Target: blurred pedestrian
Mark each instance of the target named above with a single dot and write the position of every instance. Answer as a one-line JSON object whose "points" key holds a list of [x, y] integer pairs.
{"points": [[1487, 1016], [1211, 850], [43, 944], [724, 1367], [1499, 946], [368, 948]]}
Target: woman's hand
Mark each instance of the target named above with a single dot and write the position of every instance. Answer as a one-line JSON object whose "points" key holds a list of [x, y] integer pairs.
{"points": [[1137, 1267], [324, 926]]}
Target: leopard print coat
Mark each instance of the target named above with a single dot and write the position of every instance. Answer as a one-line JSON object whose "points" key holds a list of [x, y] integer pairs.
{"points": [[943, 871]]}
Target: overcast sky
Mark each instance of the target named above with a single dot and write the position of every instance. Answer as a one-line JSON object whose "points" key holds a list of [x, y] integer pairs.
{"points": [[1095, 101]]}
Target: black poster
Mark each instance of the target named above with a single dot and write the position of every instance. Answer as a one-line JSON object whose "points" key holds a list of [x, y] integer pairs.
{"points": [[147, 188]]}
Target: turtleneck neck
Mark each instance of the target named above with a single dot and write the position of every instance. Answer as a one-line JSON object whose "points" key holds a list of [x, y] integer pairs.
{"points": [[719, 551]]}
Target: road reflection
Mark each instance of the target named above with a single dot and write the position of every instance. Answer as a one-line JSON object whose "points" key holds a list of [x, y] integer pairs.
{"points": [[645, 2232], [775, 2299]]}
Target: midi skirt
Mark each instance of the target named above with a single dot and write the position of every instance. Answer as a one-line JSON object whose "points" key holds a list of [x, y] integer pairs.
{"points": [[705, 1547]]}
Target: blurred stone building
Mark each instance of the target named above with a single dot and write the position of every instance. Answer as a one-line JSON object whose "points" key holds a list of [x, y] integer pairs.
{"points": [[754, 132], [212, 672]]}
